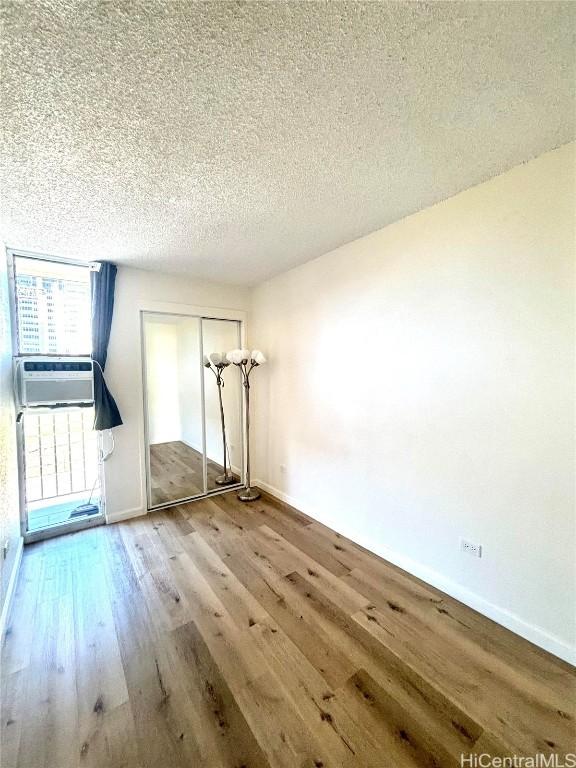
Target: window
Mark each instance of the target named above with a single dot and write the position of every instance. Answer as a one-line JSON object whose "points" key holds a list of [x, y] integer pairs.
{"points": [[60, 460], [52, 307]]}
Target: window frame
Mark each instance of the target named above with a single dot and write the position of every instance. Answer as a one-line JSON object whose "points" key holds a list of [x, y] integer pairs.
{"points": [[11, 255], [76, 525]]}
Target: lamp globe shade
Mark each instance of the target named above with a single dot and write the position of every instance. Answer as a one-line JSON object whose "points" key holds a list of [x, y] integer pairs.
{"points": [[206, 361], [216, 358], [257, 357], [234, 356]]}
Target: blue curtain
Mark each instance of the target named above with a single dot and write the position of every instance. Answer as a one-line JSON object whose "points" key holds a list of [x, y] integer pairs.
{"points": [[102, 283]]}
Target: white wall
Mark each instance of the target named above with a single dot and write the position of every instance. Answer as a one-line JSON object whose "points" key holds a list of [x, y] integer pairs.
{"points": [[136, 290], [189, 383], [162, 377], [420, 390], [9, 507]]}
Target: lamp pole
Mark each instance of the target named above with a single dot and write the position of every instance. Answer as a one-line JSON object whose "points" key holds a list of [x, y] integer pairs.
{"points": [[246, 361], [247, 493], [217, 369]]}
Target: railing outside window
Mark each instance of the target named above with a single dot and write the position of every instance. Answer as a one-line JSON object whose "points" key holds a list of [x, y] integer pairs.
{"points": [[61, 453]]}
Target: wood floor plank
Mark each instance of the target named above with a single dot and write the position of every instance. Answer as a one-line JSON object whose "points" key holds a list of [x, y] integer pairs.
{"points": [[472, 642], [234, 651], [243, 607], [464, 625], [163, 721], [219, 634], [221, 730], [210, 520], [168, 605], [283, 735], [100, 682], [261, 578], [283, 605], [241, 514], [165, 531], [355, 556], [19, 640], [414, 692], [347, 741], [400, 735], [281, 510], [156, 701], [513, 724], [134, 625], [12, 697], [113, 743], [50, 722], [293, 558], [142, 552]]}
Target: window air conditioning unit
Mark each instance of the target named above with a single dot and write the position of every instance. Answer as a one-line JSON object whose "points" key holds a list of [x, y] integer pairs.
{"points": [[49, 382]]}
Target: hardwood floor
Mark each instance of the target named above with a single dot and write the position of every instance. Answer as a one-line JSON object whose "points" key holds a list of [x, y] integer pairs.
{"points": [[176, 472], [218, 634]]}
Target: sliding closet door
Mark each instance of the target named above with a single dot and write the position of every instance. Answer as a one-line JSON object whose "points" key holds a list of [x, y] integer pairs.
{"points": [[223, 406], [172, 350]]}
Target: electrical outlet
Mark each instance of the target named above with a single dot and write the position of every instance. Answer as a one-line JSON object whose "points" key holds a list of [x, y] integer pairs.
{"points": [[471, 549], [283, 468]]}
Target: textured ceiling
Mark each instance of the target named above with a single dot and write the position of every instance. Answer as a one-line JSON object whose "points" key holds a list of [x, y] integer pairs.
{"points": [[231, 141]]}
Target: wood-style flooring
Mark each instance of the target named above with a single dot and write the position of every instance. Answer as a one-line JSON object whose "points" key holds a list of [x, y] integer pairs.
{"points": [[223, 635], [176, 472]]}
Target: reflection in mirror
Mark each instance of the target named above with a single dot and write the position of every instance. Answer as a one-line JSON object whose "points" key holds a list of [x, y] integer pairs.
{"points": [[172, 355], [218, 337]]}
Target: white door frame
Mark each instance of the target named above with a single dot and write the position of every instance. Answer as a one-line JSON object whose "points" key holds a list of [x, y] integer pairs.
{"points": [[202, 313]]}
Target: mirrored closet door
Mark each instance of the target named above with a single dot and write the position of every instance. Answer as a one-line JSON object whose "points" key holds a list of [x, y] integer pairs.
{"points": [[193, 413]]}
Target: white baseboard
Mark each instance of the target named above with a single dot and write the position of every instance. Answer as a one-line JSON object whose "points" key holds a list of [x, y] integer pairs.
{"points": [[5, 615], [125, 514], [500, 615]]}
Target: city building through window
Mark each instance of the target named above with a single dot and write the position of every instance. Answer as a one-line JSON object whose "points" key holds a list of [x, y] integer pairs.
{"points": [[52, 307]]}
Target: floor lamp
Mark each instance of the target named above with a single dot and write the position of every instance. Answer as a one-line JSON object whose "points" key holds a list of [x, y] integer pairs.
{"points": [[246, 361], [216, 362]]}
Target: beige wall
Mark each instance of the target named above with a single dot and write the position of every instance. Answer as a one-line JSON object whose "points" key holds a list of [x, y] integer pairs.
{"points": [[162, 395], [190, 384], [420, 390], [137, 290], [9, 508]]}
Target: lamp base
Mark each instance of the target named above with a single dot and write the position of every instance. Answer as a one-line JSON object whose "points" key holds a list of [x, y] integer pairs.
{"points": [[225, 480], [249, 494]]}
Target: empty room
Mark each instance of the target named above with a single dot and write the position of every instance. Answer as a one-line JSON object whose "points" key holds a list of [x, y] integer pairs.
{"points": [[287, 370]]}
